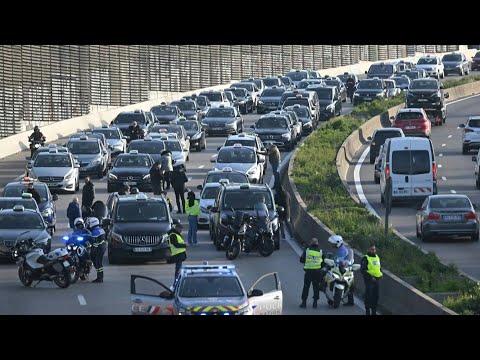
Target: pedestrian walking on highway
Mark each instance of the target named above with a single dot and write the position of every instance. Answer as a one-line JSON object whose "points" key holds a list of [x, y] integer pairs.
{"points": [[312, 260], [167, 167], [73, 212], [371, 270], [275, 159], [88, 196], [98, 239], [178, 179], [192, 208], [178, 248], [156, 178]]}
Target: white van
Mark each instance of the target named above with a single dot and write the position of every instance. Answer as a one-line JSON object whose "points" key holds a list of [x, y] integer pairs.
{"points": [[410, 163]]}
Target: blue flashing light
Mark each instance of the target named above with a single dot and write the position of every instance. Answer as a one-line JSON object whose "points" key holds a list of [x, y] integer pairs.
{"points": [[80, 238], [65, 238]]}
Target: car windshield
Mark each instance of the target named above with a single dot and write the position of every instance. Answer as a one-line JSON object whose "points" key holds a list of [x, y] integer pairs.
{"points": [[214, 96], [244, 142], [272, 92], [323, 93], [297, 75], [10, 203], [17, 190], [138, 211], [232, 177], [172, 145], [409, 115], [412, 75], [304, 84], [411, 162], [189, 125], [344, 77], [474, 123], [271, 82], [128, 118], [450, 202], [427, 61], [44, 150], [381, 69], [185, 105], [271, 123], [147, 147], [297, 100], [210, 192], [83, 147], [163, 110], [331, 83], [401, 80], [301, 112], [286, 80], [229, 95], [452, 57], [201, 101], [424, 84], [109, 133], [246, 86], [240, 155], [381, 136], [370, 84], [132, 161], [220, 113], [246, 199], [53, 161], [18, 220], [210, 286], [259, 83]]}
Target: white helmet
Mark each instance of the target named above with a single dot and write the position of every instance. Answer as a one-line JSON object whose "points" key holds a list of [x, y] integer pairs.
{"points": [[336, 240], [93, 221], [78, 221]]}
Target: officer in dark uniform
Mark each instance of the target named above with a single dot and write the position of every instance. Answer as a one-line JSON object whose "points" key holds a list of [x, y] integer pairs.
{"points": [[98, 238], [312, 258], [136, 131], [34, 193]]}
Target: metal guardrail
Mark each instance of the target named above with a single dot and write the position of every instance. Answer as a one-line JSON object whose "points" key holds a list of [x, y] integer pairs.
{"points": [[43, 84]]}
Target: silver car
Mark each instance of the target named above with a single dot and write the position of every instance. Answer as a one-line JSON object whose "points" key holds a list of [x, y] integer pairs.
{"points": [[58, 170], [207, 198], [471, 134], [241, 158], [179, 154], [447, 215], [115, 139]]}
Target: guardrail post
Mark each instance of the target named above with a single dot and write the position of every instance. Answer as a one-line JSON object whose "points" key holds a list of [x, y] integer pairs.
{"points": [[388, 204]]}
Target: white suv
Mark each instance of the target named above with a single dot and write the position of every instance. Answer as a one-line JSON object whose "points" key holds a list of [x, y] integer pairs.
{"points": [[432, 65], [471, 134]]}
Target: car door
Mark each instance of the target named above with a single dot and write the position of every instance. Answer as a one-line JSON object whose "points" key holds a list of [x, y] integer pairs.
{"points": [[270, 302], [150, 297]]}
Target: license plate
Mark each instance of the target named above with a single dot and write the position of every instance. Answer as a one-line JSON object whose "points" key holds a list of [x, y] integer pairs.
{"points": [[368, 99], [422, 100], [410, 127], [451, 217], [130, 183], [83, 169], [66, 263], [142, 249], [399, 191], [51, 185], [217, 128]]}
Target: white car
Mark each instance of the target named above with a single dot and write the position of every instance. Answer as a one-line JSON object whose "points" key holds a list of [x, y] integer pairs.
{"points": [[179, 154], [432, 65], [251, 140], [207, 198], [471, 134]]}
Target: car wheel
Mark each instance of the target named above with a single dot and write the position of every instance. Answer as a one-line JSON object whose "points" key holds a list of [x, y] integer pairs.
{"points": [[475, 237], [477, 183], [418, 232], [100, 174], [464, 150], [372, 159], [425, 238], [188, 156], [218, 243], [77, 185]]}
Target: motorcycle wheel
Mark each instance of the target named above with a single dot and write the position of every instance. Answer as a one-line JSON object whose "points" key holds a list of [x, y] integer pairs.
{"points": [[63, 279], [86, 273], [24, 277], [74, 275], [337, 296], [266, 249], [233, 250]]}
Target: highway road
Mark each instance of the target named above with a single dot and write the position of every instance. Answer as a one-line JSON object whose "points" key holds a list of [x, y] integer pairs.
{"points": [[113, 296], [455, 175]]}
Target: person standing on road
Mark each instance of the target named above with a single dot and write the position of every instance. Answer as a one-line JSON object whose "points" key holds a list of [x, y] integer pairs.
{"points": [[88, 196], [98, 239], [167, 167], [371, 270], [156, 178], [35, 194], [192, 208], [312, 260], [178, 248], [73, 212], [274, 158], [178, 179], [136, 131]]}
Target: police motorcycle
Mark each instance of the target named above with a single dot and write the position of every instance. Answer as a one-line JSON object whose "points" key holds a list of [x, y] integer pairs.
{"points": [[34, 265], [339, 279], [78, 248]]}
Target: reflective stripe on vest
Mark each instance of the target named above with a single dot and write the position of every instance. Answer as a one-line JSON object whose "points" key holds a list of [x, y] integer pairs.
{"points": [[173, 249], [193, 210], [373, 266], [313, 260]]}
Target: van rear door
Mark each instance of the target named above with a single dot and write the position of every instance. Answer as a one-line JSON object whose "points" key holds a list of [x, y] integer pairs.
{"points": [[422, 170], [401, 173]]}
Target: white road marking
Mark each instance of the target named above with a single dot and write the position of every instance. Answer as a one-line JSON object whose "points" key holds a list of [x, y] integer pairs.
{"points": [[439, 165], [81, 300], [358, 183], [201, 166], [444, 178], [449, 136], [444, 144], [453, 191], [440, 155]]}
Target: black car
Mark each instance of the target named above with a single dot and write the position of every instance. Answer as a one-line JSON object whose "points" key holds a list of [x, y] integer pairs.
{"points": [[342, 90], [275, 129], [244, 100], [402, 82], [188, 108], [378, 139], [138, 228], [272, 81], [305, 116], [287, 82], [223, 120], [130, 169], [126, 118], [475, 65], [202, 103], [411, 74], [154, 148], [166, 113], [195, 132], [270, 99], [369, 90], [427, 94], [46, 206], [330, 103], [240, 197]]}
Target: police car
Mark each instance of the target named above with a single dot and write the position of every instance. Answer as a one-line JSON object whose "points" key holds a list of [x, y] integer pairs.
{"points": [[206, 290]]}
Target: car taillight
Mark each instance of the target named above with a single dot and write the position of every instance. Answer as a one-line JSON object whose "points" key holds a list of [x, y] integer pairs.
{"points": [[433, 216], [470, 216], [434, 171], [467, 130], [387, 171]]}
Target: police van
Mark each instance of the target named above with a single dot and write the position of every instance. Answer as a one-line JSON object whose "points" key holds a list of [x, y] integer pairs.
{"points": [[410, 164]]}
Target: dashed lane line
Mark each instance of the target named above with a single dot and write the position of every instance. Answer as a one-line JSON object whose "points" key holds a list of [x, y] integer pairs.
{"points": [[81, 300]]}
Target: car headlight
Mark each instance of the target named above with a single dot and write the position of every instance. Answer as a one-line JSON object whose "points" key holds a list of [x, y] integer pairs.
{"points": [[192, 117], [286, 135], [355, 95], [307, 124], [96, 162], [47, 212], [197, 136], [146, 177], [243, 311], [112, 176], [335, 275], [458, 65], [252, 171], [379, 94], [260, 102], [116, 236], [203, 210], [69, 176]]}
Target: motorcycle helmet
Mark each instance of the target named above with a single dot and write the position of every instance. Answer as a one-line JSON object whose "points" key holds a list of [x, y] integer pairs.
{"points": [[36, 128], [93, 221], [336, 240], [78, 222]]}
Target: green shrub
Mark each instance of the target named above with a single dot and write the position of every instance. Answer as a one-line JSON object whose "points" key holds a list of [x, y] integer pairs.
{"points": [[467, 303], [315, 175], [465, 80]]}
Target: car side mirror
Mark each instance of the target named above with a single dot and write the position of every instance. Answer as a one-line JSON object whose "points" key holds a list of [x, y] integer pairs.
{"points": [[181, 114], [76, 165], [106, 222], [199, 187], [167, 294], [209, 207], [447, 95], [369, 138], [474, 158], [187, 138], [255, 292], [366, 72], [28, 158], [252, 126], [442, 86], [329, 262], [280, 210], [214, 209], [213, 160], [55, 197], [185, 149], [356, 267], [461, 125]]}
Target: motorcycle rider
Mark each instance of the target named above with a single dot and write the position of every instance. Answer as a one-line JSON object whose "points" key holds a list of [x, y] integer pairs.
{"points": [[36, 136], [350, 84], [313, 259], [98, 242], [342, 258], [79, 228]]}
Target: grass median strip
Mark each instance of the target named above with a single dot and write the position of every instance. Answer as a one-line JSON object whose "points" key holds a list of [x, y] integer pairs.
{"points": [[317, 180]]}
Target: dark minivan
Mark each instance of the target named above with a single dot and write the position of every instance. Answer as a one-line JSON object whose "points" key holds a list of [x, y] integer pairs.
{"points": [[378, 139]]}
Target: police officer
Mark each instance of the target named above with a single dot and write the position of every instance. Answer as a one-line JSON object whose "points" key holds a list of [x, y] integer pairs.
{"points": [[79, 227], [350, 85], [370, 268], [312, 258], [98, 242], [177, 248]]}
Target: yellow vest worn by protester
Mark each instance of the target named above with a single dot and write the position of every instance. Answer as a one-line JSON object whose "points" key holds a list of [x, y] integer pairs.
{"points": [[313, 260], [193, 210], [373, 266], [173, 249]]}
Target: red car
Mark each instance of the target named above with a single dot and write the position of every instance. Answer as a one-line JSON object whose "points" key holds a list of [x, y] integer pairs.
{"points": [[413, 122]]}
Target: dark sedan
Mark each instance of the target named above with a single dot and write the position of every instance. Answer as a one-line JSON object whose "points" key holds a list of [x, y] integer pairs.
{"points": [[244, 100], [447, 215], [188, 108], [130, 169], [269, 99], [166, 113], [195, 132]]}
